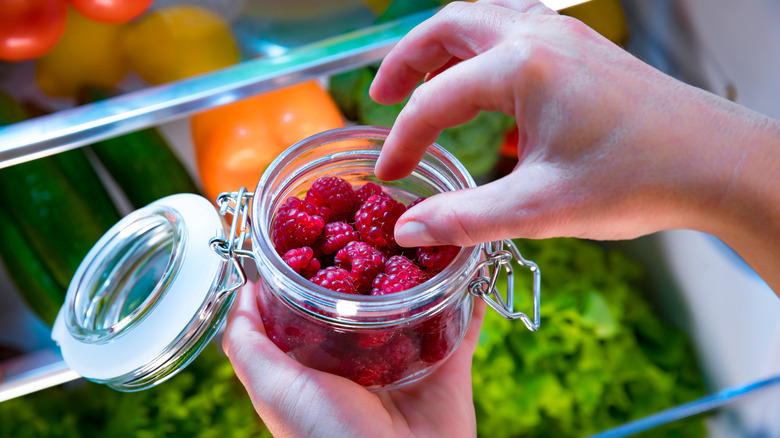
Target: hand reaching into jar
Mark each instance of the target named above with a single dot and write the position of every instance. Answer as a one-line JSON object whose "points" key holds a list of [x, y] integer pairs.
{"points": [[610, 148], [294, 400]]}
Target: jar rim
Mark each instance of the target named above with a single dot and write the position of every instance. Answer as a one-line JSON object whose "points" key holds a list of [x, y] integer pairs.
{"points": [[440, 288], [102, 305]]}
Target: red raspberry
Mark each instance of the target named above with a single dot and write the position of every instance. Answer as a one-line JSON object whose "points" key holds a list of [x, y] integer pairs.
{"points": [[295, 335], [400, 274], [379, 367], [436, 258], [434, 346], [367, 190], [374, 339], [415, 202], [287, 330], [364, 263], [334, 198], [336, 235], [375, 220], [366, 369], [335, 279], [302, 261], [296, 225]]}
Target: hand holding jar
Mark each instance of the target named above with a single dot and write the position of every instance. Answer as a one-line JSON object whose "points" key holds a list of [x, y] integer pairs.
{"points": [[295, 400]]}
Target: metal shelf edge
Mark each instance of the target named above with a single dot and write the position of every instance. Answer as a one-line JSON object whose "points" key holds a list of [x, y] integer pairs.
{"points": [[33, 372]]}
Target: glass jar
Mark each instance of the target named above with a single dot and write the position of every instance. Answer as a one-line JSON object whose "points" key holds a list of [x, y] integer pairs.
{"points": [[381, 341], [158, 285]]}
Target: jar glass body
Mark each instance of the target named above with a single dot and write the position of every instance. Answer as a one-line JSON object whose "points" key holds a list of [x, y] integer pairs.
{"points": [[380, 342]]}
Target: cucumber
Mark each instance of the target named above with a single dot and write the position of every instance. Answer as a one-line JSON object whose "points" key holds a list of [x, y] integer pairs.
{"points": [[54, 209], [142, 163], [38, 288], [144, 166], [60, 219]]}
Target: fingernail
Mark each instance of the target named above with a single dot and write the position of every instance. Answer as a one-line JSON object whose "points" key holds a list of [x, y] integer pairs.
{"points": [[414, 233]]}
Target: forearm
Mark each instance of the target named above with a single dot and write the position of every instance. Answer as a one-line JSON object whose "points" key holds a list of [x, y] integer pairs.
{"points": [[748, 214], [730, 183]]}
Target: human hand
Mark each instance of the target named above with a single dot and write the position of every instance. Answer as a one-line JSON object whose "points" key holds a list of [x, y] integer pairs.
{"points": [[610, 148], [294, 400]]}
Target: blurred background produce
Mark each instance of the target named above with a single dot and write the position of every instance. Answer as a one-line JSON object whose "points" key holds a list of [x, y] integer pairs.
{"points": [[111, 11], [607, 352], [234, 143], [30, 28], [601, 358], [86, 55], [178, 42], [205, 400]]}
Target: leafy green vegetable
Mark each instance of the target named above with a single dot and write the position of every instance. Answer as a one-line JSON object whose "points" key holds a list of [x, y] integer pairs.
{"points": [[475, 144], [601, 357], [205, 400]]}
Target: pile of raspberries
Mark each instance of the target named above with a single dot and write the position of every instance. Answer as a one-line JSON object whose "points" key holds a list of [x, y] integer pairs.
{"points": [[343, 239]]}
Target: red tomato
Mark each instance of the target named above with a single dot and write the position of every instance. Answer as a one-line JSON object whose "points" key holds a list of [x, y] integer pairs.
{"points": [[29, 28], [111, 11]]}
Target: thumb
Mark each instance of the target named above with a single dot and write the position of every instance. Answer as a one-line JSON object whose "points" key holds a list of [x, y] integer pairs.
{"points": [[506, 208]]}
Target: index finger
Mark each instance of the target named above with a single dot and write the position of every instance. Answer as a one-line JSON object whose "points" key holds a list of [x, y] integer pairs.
{"points": [[459, 31]]}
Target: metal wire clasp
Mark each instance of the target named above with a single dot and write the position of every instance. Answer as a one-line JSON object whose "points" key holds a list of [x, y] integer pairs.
{"points": [[230, 247], [484, 285]]}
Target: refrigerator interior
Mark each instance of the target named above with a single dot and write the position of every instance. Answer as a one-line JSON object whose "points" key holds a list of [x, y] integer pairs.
{"points": [[731, 315]]}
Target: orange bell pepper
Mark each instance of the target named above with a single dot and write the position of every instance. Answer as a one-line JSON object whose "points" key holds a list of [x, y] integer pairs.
{"points": [[234, 143]]}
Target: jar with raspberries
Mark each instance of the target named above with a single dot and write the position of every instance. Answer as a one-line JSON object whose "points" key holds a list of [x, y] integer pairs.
{"points": [[334, 289]]}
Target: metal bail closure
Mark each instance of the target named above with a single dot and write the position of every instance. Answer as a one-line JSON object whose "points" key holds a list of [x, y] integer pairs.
{"points": [[230, 248], [487, 272], [153, 291]]}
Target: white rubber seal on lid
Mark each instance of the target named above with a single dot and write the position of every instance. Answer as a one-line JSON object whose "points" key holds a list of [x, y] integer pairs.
{"points": [[149, 336]]}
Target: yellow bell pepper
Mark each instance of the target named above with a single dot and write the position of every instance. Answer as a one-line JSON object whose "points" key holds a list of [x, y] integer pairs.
{"points": [[87, 55], [179, 41]]}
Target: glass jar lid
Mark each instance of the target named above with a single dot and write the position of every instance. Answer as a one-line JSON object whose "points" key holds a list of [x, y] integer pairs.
{"points": [[146, 298]]}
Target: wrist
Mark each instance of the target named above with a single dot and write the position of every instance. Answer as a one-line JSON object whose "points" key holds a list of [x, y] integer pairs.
{"points": [[742, 151]]}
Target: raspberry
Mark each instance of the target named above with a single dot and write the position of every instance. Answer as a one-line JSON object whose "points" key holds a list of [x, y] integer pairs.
{"points": [[302, 261], [335, 279], [295, 335], [367, 190], [335, 235], [364, 263], [402, 265], [375, 220], [286, 330], [436, 258], [415, 202], [334, 198], [434, 346], [374, 339], [400, 274], [367, 369], [379, 367], [296, 225]]}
